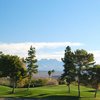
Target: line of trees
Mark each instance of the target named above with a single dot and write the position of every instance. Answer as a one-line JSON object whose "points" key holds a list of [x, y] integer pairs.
{"points": [[80, 66]]}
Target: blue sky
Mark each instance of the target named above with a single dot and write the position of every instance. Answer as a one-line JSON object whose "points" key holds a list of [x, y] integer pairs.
{"points": [[49, 21]]}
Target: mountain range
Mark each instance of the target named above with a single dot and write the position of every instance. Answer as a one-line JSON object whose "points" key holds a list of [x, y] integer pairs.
{"points": [[50, 64]]}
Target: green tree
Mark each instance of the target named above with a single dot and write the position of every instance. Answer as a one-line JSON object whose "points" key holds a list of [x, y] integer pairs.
{"points": [[94, 73], [50, 72], [82, 60], [69, 67], [31, 64], [13, 67], [1, 53]]}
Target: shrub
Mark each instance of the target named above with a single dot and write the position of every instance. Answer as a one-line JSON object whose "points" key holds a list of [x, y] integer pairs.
{"points": [[52, 82], [39, 82], [5, 81], [23, 83], [61, 82]]}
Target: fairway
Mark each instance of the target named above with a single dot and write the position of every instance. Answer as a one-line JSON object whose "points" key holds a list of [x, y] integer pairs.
{"points": [[49, 93]]}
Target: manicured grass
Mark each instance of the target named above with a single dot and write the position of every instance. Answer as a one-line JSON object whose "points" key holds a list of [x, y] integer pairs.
{"points": [[50, 93]]}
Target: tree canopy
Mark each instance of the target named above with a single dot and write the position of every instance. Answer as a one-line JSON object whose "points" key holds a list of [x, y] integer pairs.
{"points": [[13, 67], [69, 67], [31, 64], [81, 60]]}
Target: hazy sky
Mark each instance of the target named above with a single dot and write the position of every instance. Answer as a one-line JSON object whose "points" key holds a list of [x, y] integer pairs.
{"points": [[25, 22]]}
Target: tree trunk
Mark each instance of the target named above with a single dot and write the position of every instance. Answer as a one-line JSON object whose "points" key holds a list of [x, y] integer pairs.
{"points": [[68, 88], [95, 93], [13, 90], [78, 86], [78, 89], [29, 84]]}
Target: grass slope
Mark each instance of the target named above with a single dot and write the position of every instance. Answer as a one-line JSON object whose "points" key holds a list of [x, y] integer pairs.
{"points": [[50, 93]]}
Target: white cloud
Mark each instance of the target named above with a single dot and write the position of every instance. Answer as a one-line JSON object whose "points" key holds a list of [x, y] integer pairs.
{"points": [[47, 50], [21, 49], [96, 55]]}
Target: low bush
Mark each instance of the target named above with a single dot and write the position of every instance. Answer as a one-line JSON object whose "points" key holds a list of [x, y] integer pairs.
{"points": [[38, 82], [5, 81], [61, 82], [23, 83], [52, 82]]}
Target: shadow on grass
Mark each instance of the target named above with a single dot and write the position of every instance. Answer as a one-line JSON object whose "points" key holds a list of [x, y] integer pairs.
{"points": [[41, 95], [54, 97], [90, 91], [46, 98], [61, 98]]}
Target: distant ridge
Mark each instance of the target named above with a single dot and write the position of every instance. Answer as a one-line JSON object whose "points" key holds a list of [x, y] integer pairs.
{"points": [[49, 64]]}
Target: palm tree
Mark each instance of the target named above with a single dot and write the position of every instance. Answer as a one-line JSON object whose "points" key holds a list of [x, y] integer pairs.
{"points": [[50, 72]]}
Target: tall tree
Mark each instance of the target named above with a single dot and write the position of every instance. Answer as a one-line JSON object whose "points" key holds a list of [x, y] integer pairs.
{"points": [[1, 53], [69, 67], [94, 73], [31, 64], [13, 67], [81, 60]]}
